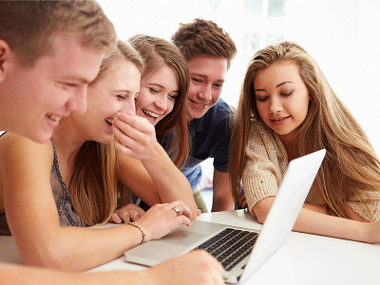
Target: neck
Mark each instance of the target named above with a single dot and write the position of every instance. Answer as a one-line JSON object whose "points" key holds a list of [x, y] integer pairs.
{"points": [[67, 141], [291, 145], [189, 119]]}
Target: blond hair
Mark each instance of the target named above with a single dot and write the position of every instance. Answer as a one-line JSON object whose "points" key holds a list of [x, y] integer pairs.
{"points": [[351, 167], [94, 183], [28, 26]]}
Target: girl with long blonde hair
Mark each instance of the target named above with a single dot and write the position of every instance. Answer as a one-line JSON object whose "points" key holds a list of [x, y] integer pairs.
{"points": [[286, 110], [50, 192]]}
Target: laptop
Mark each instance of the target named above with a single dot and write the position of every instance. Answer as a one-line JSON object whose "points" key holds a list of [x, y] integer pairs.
{"points": [[255, 247]]}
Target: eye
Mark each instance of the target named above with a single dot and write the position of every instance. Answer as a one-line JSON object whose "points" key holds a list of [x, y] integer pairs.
{"points": [[154, 91], [121, 97], [196, 80], [172, 97], [68, 85], [261, 99], [137, 95], [287, 94], [218, 85]]}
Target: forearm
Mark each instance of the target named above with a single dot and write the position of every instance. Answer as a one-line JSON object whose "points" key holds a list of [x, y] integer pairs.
{"points": [[316, 208], [20, 275], [224, 203], [313, 220], [170, 183], [76, 248], [222, 197]]}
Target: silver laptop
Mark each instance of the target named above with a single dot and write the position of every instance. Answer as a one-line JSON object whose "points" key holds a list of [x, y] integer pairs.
{"points": [[254, 247]]}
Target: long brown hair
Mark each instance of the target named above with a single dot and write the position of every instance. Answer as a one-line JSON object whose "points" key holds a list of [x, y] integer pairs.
{"points": [[351, 167], [157, 52], [94, 185]]}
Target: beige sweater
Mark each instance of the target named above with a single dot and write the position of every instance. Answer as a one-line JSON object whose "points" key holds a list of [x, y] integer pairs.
{"points": [[265, 167]]}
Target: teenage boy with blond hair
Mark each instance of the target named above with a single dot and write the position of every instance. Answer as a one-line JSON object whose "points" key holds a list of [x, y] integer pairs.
{"points": [[49, 52]]}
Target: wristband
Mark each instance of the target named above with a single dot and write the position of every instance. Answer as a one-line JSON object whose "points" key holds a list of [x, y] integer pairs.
{"points": [[140, 228]]}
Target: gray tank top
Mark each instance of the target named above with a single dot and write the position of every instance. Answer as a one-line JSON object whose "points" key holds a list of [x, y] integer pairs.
{"points": [[67, 215]]}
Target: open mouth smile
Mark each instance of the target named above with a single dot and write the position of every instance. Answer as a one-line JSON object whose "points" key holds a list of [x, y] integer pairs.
{"points": [[199, 105], [109, 121], [150, 115], [54, 117]]}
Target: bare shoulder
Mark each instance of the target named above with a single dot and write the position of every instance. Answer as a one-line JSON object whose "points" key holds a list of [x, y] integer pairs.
{"points": [[15, 148]]}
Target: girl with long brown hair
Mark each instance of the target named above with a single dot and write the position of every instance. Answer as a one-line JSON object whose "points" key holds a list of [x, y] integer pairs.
{"points": [[161, 102], [286, 110]]}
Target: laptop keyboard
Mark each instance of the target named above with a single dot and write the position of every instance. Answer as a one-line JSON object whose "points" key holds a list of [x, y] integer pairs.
{"points": [[230, 246]]}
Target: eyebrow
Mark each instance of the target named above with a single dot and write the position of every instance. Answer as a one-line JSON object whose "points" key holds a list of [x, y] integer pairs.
{"points": [[278, 85], [121, 90], [156, 84], [159, 85], [77, 78], [205, 76]]}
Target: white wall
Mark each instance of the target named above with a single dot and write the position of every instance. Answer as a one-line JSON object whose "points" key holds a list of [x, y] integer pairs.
{"points": [[342, 35]]}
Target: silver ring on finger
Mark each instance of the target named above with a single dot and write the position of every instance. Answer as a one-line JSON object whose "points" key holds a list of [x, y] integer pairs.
{"points": [[176, 210]]}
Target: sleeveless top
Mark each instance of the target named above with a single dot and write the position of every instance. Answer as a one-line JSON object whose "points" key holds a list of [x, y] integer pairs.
{"points": [[67, 215]]}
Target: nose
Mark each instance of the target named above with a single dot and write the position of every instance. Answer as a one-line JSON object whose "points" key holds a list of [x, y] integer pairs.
{"points": [[162, 102], [275, 105], [129, 106], [205, 93], [78, 101]]}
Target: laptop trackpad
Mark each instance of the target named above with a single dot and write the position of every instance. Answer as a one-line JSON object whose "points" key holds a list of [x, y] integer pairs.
{"points": [[183, 238]]}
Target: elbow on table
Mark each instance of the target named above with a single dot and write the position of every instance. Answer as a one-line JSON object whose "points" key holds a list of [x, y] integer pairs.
{"points": [[260, 216], [50, 256], [261, 208]]}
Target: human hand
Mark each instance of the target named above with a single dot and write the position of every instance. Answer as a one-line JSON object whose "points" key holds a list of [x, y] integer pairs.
{"points": [[197, 267], [134, 136], [161, 219], [242, 202], [126, 214]]}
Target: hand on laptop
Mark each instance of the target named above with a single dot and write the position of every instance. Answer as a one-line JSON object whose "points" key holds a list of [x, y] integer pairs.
{"points": [[197, 267], [161, 219]]}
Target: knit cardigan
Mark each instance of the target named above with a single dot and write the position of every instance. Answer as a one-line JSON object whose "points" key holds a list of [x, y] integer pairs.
{"points": [[266, 163]]}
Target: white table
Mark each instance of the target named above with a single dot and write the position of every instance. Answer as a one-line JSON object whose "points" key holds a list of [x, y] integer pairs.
{"points": [[303, 259]]}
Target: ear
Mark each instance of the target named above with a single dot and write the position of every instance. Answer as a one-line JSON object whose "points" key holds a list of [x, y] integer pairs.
{"points": [[6, 55]]}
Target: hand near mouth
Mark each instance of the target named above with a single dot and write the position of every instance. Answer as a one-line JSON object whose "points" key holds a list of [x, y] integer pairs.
{"points": [[134, 136]]}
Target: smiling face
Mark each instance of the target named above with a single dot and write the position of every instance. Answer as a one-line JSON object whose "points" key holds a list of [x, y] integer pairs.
{"points": [[114, 92], [158, 94], [206, 81], [34, 99], [282, 98]]}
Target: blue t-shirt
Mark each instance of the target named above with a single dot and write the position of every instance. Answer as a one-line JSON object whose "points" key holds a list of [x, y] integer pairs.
{"points": [[210, 137]]}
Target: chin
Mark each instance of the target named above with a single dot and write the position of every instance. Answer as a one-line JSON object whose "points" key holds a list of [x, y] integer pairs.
{"points": [[197, 115], [38, 137]]}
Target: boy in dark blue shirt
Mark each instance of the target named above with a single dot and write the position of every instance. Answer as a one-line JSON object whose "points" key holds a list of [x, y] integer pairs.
{"points": [[208, 50]]}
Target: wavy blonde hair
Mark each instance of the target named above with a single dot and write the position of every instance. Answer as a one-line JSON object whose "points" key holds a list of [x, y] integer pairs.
{"points": [[94, 183], [351, 167]]}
